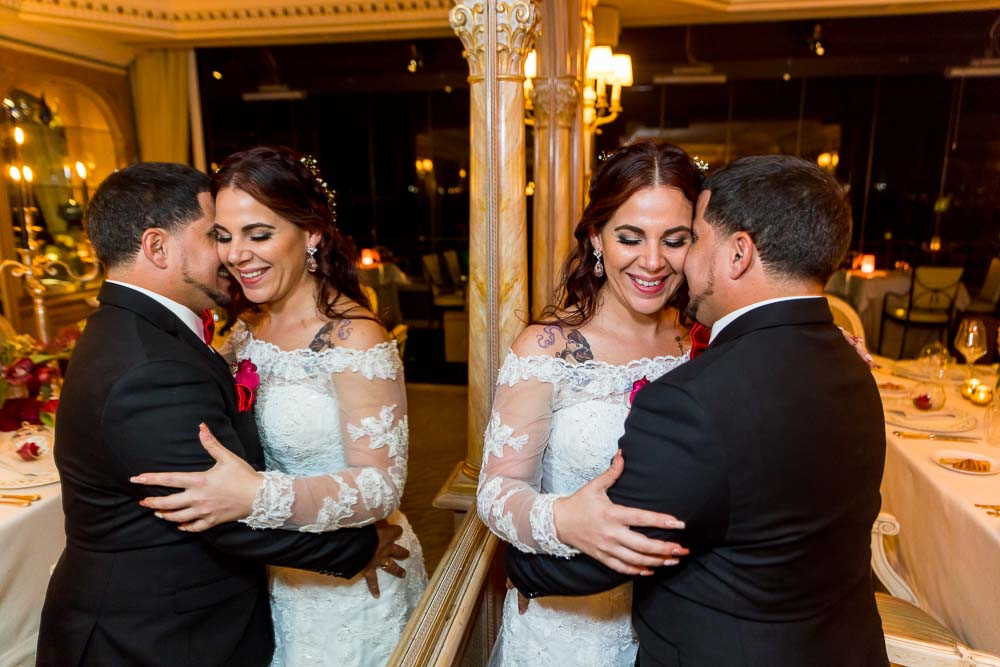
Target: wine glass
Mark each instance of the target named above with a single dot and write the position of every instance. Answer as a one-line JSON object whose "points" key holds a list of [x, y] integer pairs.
{"points": [[971, 341]]}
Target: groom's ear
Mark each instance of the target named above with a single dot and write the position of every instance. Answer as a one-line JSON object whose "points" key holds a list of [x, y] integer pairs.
{"points": [[742, 254], [154, 245]]}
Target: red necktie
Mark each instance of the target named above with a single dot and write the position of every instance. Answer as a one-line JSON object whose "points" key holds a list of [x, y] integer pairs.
{"points": [[700, 335], [207, 325]]}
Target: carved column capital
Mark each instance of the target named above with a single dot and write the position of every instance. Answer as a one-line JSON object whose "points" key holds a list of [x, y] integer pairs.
{"points": [[517, 27], [559, 97]]}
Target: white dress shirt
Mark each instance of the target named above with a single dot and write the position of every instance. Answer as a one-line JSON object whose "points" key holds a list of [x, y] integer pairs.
{"points": [[726, 320], [183, 313]]}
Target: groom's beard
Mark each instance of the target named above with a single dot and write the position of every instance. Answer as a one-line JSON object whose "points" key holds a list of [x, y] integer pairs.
{"points": [[696, 299], [220, 297]]}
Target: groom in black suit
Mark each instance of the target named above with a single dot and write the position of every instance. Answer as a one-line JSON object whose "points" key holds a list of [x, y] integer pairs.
{"points": [[770, 446], [131, 589]]}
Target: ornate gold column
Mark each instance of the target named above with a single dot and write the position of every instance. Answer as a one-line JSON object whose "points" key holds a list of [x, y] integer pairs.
{"points": [[559, 137], [497, 36]]}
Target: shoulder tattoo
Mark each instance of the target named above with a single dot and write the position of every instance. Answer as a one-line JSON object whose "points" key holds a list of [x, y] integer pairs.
{"points": [[577, 348], [323, 340]]}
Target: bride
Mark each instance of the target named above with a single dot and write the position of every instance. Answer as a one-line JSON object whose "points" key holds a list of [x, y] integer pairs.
{"points": [[330, 408], [564, 391]]}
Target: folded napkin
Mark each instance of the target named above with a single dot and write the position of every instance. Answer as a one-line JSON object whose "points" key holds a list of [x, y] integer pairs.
{"points": [[11, 462]]}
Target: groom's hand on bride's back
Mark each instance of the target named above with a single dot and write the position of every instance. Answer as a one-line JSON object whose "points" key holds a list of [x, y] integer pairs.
{"points": [[590, 522], [386, 555]]}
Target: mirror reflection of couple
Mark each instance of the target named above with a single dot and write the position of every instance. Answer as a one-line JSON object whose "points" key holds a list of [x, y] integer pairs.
{"points": [[743, 455]]}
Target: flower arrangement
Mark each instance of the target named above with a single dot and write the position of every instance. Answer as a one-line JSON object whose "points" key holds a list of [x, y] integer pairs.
{"points": [[29, 384]]}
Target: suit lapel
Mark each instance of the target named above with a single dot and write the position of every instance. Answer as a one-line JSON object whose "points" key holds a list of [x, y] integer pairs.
{"points": [[782, 313]]}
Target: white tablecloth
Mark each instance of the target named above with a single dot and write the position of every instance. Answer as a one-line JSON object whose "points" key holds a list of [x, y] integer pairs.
{"points": [[865, 293], [31, 540], [949, 549]]}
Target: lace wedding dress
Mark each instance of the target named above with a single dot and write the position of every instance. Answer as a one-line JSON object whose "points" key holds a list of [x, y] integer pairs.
{"points": [[334, 431], [555, 426]]}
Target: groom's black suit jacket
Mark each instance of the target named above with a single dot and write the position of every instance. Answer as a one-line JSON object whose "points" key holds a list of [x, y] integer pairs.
{"points": [[770, 446], [131, 589]]}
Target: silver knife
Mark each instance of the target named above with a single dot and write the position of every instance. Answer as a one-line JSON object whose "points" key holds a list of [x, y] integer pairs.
{"points": [[934, 436]]}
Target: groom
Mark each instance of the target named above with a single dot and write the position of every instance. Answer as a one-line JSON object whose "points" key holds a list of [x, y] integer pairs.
{"points": [[769, 445], [131, 589]]}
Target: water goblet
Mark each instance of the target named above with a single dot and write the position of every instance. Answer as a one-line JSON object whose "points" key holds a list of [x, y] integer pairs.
{"points": [[970, 341]]}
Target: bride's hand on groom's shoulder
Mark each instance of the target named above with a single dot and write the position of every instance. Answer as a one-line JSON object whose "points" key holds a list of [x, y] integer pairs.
{"points": [[590, 522], [221, 494], [386, 554]]}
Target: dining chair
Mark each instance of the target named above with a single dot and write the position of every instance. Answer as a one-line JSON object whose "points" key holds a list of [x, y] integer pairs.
{"points": [[989, 295], [913, 638], [454, 268], [399, 334], [929, 303], [844, 316]]}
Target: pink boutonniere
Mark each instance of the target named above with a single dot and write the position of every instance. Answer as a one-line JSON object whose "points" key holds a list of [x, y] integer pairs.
{"points": [[247, 381], [636, 386]]}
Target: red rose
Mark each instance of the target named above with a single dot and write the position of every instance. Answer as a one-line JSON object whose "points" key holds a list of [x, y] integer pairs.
{"points": [[19, 372], [700, 336], [18, 410], [29, 451], [636, 386], [247, 381], [50, 405]]}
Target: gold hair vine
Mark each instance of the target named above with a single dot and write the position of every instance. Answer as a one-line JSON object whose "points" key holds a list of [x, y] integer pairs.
{"points": [[310, 163], [701, 164]]}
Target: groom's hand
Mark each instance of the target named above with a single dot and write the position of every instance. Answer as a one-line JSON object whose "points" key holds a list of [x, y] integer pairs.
{"points": [[386, 555], [590, 522]]}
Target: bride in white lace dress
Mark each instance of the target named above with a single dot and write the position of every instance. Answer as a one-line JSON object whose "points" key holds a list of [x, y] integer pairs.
{"points": [[563, 394], [330, 409]]}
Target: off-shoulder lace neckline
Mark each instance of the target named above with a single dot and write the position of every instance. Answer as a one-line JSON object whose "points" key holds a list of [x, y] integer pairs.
{"points": [[248, 336], [596, 363]]}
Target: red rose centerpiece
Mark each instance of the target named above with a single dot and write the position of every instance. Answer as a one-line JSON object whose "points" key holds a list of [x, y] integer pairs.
{"points": [[30, 377], [247, 381]]}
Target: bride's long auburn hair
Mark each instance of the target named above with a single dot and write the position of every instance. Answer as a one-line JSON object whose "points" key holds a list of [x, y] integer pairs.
{"points": [[277, 178], [633, 167]]}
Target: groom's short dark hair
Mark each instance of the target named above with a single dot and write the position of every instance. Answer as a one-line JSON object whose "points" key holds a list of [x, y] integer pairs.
{"points": [[137, 198], [797, 215]]}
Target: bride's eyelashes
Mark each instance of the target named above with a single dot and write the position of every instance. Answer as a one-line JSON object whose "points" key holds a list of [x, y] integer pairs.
{"points": [[670, 242]]}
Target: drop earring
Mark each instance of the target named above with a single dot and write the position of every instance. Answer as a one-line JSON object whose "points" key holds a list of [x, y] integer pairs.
{"points": [[311, 264], [599, 266]]}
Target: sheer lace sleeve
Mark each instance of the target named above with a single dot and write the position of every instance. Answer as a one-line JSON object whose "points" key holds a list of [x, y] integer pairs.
{"points": [[509, 499], [372, 400]]}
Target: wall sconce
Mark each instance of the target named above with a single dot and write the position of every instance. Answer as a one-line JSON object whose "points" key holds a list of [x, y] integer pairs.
{"points": [[370, 257], [935, 244], [603, 68], [868, 264]]}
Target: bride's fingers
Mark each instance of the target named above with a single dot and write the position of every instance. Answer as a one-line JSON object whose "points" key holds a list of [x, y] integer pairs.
{"points": [[522, 603], [213, 446], [649, 547], [398, 552], [196, 526], [637, 559], [174, 501], [607, 478], [639, 518], [180, 516], [173, 480], [618, 566], [371, 580]]}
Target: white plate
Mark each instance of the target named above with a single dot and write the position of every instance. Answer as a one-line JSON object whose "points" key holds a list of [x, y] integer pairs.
{"points": [[14, 471], [960, 423], [10, 481], [962, 454], [918, 369], [886, 388]]}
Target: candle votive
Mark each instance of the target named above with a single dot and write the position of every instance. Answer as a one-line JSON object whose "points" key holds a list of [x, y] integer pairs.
{"points": [[867, 263], [983, 395], [969, 387]]}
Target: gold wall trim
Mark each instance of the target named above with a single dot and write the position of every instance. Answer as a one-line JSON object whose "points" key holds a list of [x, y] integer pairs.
{"points": [[440, 625], [15, 44]]}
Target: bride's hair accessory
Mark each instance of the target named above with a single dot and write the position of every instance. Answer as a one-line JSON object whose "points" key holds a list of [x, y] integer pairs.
{"points": [[599, 266], [309, 162], [311, 264], [247, 381]]}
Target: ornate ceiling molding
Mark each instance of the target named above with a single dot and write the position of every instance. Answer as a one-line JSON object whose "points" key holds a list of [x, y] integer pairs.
{"points": [[170, 22]]}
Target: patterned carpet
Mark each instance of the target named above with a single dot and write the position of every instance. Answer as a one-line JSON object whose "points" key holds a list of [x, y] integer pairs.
{"points": [[437, 416]]}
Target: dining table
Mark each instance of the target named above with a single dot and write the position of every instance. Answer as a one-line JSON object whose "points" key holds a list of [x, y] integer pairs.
{"points": [[948, 548], [32, 537], [865, 292]]}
